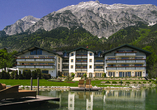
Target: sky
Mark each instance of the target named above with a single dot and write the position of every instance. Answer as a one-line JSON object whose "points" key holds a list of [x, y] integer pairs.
{"points": [[13, 10]]}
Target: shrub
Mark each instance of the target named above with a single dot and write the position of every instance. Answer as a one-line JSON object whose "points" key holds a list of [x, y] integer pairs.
{"points": [[20, 75], [46, 76], [113, 82], [107, 82], [72, 74], [144, 82], [139, 82], [27, 74], [59, 74], [104, 75], [85, 76], [127, 82], [39, 73], [34, 74], [4, 75], [68, 79]]}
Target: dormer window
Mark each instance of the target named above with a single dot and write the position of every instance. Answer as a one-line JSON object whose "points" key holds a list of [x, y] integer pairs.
{"points": [[99, 53], [65, 54]]}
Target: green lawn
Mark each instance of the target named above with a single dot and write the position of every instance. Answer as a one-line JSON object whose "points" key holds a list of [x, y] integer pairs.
{"points": [[43, 82]]}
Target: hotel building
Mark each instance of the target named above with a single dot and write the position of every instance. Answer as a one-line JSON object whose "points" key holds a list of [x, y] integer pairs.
{"points": [[37, 58], [123, 61]]}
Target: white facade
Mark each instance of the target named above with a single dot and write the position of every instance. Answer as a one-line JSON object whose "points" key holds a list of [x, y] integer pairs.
{"points": [[123, 61], [46, 61], [72, 58], [90, 64]]}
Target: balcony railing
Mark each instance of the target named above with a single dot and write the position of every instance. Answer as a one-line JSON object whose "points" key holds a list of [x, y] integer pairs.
{"points": [[31, 66], [98, 69], [126, 68], [125, 54], [98, 62], [36, 57], [126, 61], [30, 59]]}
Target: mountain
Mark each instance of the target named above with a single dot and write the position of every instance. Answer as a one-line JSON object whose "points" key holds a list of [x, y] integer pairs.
{"points": [[101, 20], [21, 25]]}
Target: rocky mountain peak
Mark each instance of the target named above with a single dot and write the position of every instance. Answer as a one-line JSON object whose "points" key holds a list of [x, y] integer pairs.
{"points": [[20, 25], [99, 19]]}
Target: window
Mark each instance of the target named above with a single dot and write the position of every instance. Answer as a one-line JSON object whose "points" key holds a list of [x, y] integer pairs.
{"points": [[90, 66], [45, 71], [99, 53], [125, 58], [90, 60], [99, 60], [99, 67], [138, 57], [90, 54], [71, 60], [36, 52], [72, 54], [71, 66], [125, 65], [58, 66], [111, 58], [65, 54], [138, 65], [58, 59]]}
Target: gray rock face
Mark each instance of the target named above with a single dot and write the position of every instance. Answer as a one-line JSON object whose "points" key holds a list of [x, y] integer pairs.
{"points": [[99, 19], [21, 25]]}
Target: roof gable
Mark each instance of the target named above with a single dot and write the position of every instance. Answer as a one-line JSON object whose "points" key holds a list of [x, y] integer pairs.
{"points": [[126, 45], [81, 48], [32, 48]]}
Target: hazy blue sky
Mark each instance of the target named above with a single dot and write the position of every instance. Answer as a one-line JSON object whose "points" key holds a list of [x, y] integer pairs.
{"points": [[12, 10]]}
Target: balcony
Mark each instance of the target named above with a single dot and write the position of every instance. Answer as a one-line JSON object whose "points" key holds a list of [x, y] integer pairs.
{"points": [[81, 62], [126, 68], [126, 61], [110, 61], [98, 62], [140, 61], [111, 68], [30, 59], [81, 56], [36, 59], [130, 61], [98, 69], [140, 68], [65, 69], [35, 66], [66, 63], [120, 68], [120, 61], [125, 54], [130, 54], [20, 60]]}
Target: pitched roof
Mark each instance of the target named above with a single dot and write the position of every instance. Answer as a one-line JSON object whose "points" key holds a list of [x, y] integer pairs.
{"points": [[81, 48], [126, 45], [32, 48]]}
